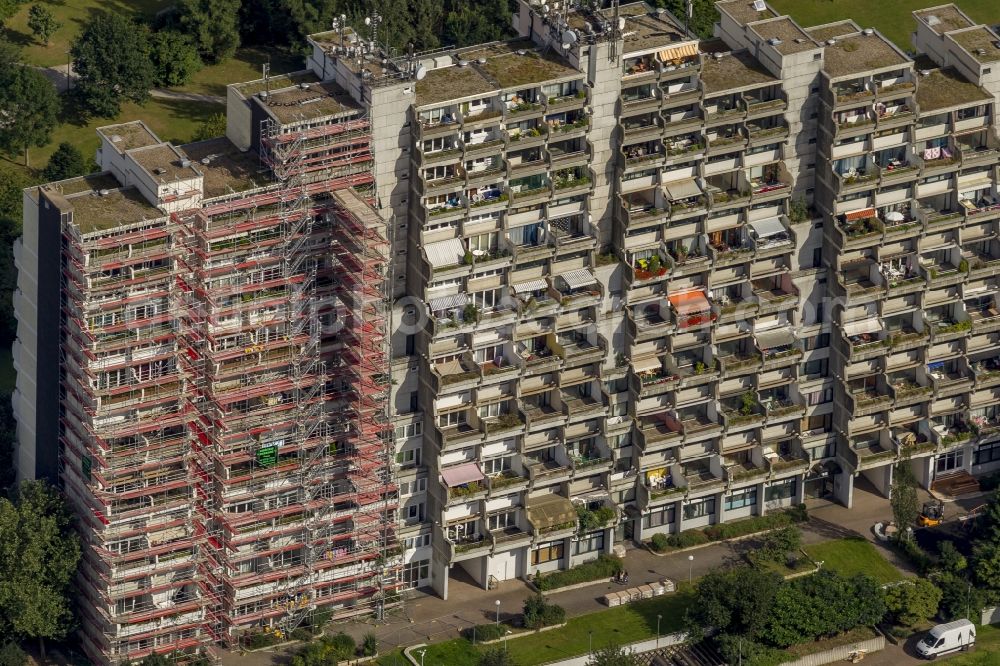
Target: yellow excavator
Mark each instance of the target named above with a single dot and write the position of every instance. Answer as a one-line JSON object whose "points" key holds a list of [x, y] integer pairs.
{"points": [[932, 514]]}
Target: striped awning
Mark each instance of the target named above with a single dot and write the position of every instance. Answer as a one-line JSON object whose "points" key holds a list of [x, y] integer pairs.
{"points": [[771, 226], [529, 286], [647, 364], [690, 302], [448, 302], [862, 326], [774, 337], [445, 253], [679, 52], [862, 214], [582, 277]]}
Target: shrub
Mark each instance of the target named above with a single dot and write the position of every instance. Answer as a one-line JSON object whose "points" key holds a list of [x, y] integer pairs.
{"points": [[538, 613], [916, 555], [342, 645], [911, 602], [485, 632], [778, 544], [11, 654], [659, 542], [301, 634], [496, 656], [261, 639], [605, 566], [687, 538], [738, 649], [369, 645]]}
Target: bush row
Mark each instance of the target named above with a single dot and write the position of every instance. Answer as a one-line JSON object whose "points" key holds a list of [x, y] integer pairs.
{"points": [[723, 531], [605, 566]]}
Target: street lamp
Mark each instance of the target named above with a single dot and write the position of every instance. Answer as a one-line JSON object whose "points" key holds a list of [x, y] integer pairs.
{"points": [[658, 618], [690, 568], [509, 632], [498, 612], [422, 653]]}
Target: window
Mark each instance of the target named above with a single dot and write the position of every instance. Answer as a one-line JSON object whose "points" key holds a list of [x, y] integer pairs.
{"points": [[547, 552], [821, 397], [501, 520], [986, 453], [493, 466], [419, 541], [741, 499], [817, 342], [417, 485], [699, 508], [449, 419], [780, 490], [414, 512], [408, 458], [409, 430], [658, 517], [820, 422], [950, 461], [817, 368], [414, 572], [828, 450], [589, 543]]}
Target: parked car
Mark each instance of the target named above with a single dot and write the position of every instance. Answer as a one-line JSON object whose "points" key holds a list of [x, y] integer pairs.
{"points": [[947, 638]]}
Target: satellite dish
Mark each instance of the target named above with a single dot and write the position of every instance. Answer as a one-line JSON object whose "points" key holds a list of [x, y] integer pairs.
{"points": [[368, 20], [567, 46], [545, 9], [569, 37], [421, 73]]}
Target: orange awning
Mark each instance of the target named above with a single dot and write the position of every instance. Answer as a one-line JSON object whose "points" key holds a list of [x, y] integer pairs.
{"points": [[690, 302], [679, 52], [862, 214]]}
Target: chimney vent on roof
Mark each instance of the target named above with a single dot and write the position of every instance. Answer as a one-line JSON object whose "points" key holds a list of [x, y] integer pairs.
{"points": [[774, 41], [868, 32], [185, 163], [206, 161], [304, 86], [115, 138], [718, 56], [522, 52], [831, 42], [481, 61], [159, 171], [925, 72], [463, 63], [980, 52], [103, 193]]}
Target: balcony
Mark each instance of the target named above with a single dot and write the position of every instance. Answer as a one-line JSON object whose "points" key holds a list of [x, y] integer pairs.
{"points": [[699, 480], [696, 424], [505, 423], [985, 320], [576, 408], [948, 328], [744, 411], [468, 546], [456, 374], [792, 461], [867, 402], [860, 229], [775, 299], [907, 391], [506, 482], [740, 363], [547, 471], [509, 536], [541, 416], [744, 472], [949, 381], [657, 433], [986, 372], [874, 455], [660, 489], [779, 409]]}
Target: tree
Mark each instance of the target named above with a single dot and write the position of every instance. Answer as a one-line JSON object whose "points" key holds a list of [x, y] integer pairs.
{"points": [[112, 60], [903, 497], [39, 554], [823, 604], [8, 8], [949, 559], [11, 654], [427, 16], [214, 126], [157, 660], [214, 25], [496, 656], [29, 108], [66, 162], [912, 601], [539, 612], [704, 15], [613, 655], [735, 601], [42, 22], [175, 58], [986, 566], [959, 597]]}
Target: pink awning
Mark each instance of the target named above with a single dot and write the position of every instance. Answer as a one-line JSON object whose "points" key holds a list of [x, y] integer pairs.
{"points": [[461, 474]]}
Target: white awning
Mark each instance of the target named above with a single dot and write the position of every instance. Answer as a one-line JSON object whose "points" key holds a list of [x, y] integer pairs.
{"points": [[682, 189], [775, 337], [445, 253], [647, 364], [530, 285], [771, 226], [581, 277], [448, 302], [862, 326]]}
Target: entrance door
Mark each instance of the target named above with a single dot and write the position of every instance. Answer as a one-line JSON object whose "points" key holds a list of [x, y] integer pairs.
{"points": [[821, 488]]}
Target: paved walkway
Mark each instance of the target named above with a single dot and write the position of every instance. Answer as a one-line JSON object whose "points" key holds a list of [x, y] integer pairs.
{"points": [[429, 619], [58, 76]]}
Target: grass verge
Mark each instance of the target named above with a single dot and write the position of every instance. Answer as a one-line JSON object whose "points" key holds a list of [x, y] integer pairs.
{"points": [[853, 556]]}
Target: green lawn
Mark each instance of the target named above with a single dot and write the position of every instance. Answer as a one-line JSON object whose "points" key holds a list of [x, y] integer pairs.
{"points": [[245, 66], [891, 17], [71, 14], [987, 652], [854, 556], [625, 624]]}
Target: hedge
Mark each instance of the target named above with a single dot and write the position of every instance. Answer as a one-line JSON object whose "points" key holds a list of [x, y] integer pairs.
{"points": [[540, 613], [605, 566], [485, 632], [723, 531]]}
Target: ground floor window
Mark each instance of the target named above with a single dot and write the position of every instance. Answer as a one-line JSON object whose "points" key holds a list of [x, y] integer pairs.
{"points": [[741, 499], [780, 490], [950, 461], [416, 571], [547, 552], [659, 517], [699, 508], [588, 543], [986, 453]]}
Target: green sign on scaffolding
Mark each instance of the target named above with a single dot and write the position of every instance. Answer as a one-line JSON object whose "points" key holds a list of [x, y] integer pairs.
{"points": [[86, 465], [267, 455]]}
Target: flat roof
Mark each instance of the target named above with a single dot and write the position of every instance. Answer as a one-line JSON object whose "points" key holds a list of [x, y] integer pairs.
{"points": [[743, 11], [821, 33], [944, 18], [126, 206], [644, 31], [735, 71], [516, 64], [249, 88], [297, 104], [980, 42], [228, 170], [91, 183], [860, 53], [126, 136], [793, 38], [945, 89], [163, 162], [445, 83]]}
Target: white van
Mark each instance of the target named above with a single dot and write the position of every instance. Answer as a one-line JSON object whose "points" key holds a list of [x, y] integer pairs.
{"points": [[945, 638]]}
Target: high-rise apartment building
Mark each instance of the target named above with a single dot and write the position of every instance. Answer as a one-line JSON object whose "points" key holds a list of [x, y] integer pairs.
{"points": [[497, 310]]}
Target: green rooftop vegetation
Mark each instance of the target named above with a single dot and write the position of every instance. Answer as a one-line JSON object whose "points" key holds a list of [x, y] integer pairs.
{"points": [[945, 88]]}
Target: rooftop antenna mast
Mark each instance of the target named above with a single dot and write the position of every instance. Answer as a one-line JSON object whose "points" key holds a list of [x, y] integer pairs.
{"points": [[266, 71], [616, 29], [373, 21], [688, 15]]}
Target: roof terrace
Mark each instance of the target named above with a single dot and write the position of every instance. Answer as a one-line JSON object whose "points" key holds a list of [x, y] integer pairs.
{"points": [[945, 89], [448, 83], [644, 31], [308, 101], [735, 71], [516, 64], [163, 162], [94, 211], [821, 33], [126, 136], [743, 11], [944, 18], [228, 169], [980, 42], [792, 38]]}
